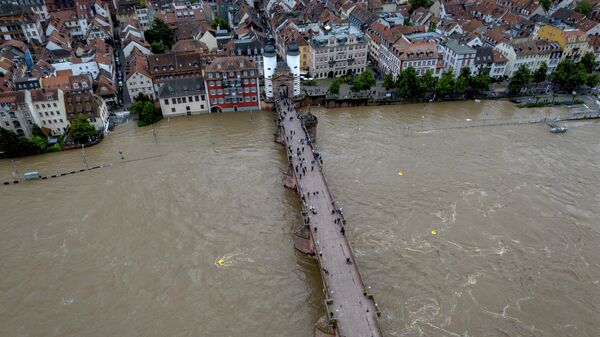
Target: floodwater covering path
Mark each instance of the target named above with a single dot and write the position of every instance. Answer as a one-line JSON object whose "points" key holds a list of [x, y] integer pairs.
{"points": [[350, 308]]}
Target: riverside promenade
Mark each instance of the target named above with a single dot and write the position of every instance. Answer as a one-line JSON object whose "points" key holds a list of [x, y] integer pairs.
{"points": [[351, 310]]}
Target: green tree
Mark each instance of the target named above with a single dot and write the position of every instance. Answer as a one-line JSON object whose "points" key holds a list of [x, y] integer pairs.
{"points": [[334, 88], [445, 86], [40, 143], [414, 4], [539, 75], [160, 32], [388, 82], [219, 22], [13, 145], [521, 79], [427, 83], [592, 80], [145, 109], [158, 47], [569, 75], [589, 62], [364, 81], [480, 82], [37, 131], [546, 4], [408, 84], [584, 7], [432, 26], [81, 130]]}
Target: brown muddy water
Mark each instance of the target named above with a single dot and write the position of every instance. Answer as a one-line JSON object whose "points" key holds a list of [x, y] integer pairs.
{"points": [[132, 249]]}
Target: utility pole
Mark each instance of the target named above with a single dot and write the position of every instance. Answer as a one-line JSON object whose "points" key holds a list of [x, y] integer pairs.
{"points": [[83, 155], [15, 173]]}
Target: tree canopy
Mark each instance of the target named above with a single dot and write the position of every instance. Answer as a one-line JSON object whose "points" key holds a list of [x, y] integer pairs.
{"points": [[388, 82], [145, 109], [546, 4], [219, 22], [364, 81], [521, 79], [414, 4], [539, 75], [160, 32], [589, 61], [446, 83], [408, 84], [334, 88], [13, 145], [569, 75], [81, 130], [584, 7], [158, 47]]}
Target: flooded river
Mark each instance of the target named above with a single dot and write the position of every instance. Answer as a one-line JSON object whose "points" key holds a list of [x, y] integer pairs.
{"points": [[191, 234]]}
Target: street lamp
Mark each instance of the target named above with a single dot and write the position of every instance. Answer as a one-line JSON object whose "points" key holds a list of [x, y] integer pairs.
{"points": [[573, 94]]}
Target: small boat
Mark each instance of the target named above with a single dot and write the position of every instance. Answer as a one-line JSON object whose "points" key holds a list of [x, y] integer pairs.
{"points": [[555, 128]]}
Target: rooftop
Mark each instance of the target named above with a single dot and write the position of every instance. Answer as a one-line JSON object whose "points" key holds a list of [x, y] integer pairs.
{"points": [[182, 87]]}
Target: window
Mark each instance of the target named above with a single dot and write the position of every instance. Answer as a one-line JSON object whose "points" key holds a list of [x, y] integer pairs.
{"points": [[202, 97], [245, 81], [166, 101], [178, 99], [42, 122], [247, 99], [197, 98], [43, 105], [55, 121], [212, 91], [214, 101], [190, 99], [173, 101], [253, 81], [253, 98], [253, 89], [183, 100], [46, 113], [246, 90], [172, 109], [41, 114], [219, 83], [211, 84], [210, 75], [201, 106], [220, 91], [251, 72], [245, 73], [187, 108], [37, 106], [61, 120], [54, 105], [220, 100], [52, 113]]}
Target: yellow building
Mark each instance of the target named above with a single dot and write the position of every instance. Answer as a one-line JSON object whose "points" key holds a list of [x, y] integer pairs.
{"points": [[304, 54], [573, 42]]}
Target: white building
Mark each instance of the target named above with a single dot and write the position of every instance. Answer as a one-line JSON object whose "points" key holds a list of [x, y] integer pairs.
{"points": [[184, 96], [48, 109], [137, 78], [90, 67], [458, 56]]}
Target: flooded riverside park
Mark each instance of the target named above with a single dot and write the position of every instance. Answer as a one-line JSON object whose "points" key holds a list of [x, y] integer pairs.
{"points": [[465, 220]]}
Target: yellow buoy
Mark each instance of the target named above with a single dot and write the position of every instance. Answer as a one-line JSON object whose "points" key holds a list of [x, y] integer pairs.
{"points": [[433, 231], [221, 262], [400, 173]]}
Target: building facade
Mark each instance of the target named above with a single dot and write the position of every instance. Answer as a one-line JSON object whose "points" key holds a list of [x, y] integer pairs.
{"points": [[48, 110], [232, 84], [342, 51], [183, 97], [457, 56]]}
